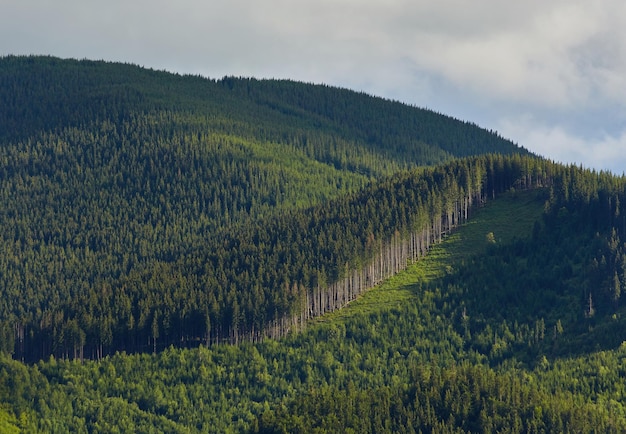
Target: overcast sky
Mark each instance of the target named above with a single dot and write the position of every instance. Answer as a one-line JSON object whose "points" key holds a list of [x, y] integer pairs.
{"points": [[549, 75]]}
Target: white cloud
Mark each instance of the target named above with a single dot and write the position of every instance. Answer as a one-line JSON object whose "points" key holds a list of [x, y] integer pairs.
{"points": [[602, 152], [564, 61], [536, 61]]}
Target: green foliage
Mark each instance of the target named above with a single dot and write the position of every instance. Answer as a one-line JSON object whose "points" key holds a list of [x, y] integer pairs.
{"points": [[8, 422], [436, 348], [148, 212], [140, 207]]}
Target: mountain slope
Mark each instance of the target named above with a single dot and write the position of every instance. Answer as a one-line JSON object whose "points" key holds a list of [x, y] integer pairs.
{"points": [[152, 212], [436, 358], [125, 191]]}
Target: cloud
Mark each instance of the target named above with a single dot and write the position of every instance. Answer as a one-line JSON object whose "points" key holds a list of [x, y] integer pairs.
{"points": [[602, 151], [563, 62], [548, 57]]}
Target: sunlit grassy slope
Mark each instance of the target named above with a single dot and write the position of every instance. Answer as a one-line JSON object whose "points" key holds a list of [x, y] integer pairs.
{"points": [[507, 217]]}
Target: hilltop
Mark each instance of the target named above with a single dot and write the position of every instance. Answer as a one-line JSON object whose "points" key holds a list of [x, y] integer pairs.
{"points": [[130, 198]]}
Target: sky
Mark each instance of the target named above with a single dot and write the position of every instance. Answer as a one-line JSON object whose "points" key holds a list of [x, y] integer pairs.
{"points": [[549, 75]]}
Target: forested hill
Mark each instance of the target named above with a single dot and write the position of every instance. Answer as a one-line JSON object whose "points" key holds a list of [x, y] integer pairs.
{"points": [[46, 94], [514, 323], [114, 177], [146, 217]]}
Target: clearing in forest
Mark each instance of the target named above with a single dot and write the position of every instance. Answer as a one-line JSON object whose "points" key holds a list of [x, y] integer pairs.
{"points": [[512, 215]]}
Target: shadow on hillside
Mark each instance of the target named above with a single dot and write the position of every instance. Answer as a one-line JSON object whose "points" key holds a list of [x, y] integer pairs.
{"points": [[527, 299]]}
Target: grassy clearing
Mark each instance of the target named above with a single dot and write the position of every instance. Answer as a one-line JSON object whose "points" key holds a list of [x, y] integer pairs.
{"points": [[510, 216]]}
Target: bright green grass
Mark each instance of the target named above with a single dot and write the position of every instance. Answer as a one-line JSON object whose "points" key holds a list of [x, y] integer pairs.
{"points": [[8, 422], [509, 216]]}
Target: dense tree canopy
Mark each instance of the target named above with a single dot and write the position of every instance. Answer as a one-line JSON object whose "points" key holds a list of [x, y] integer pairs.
{"points": [[147, 219], [495, 341], [139, 203]]}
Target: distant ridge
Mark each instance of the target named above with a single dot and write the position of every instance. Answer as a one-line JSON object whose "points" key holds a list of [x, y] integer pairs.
{"points": [[43, 92]]}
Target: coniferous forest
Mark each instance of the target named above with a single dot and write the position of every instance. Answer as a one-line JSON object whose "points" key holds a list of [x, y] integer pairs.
{"points": [[179, 254]]}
